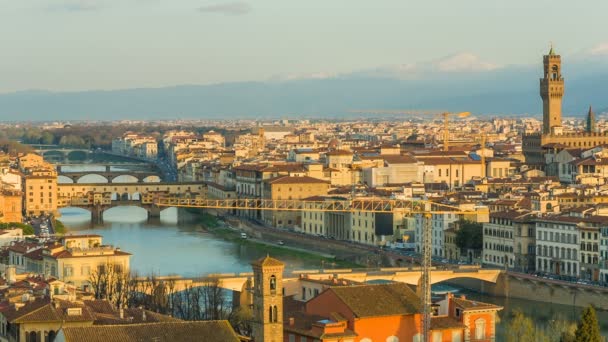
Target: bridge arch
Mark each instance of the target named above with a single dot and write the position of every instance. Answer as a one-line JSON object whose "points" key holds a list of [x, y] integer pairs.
{"points": [[92, 178], [54, 155], [151, 179], [63, 179], [77, 155], [126, 178]]}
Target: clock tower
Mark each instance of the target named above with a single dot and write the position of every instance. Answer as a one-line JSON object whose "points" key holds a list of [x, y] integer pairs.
{"points": [[552, 91]]}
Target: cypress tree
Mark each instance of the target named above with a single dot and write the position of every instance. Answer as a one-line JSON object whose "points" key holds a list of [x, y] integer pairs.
{"points": [[588, 329]]}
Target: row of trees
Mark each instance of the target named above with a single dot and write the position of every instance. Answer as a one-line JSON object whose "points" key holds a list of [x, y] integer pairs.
{"points": [[522, 329], [87, 136], [208, 302], [26, 228]]}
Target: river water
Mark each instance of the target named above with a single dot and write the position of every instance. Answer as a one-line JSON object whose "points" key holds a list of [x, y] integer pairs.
{"points": [[170, 247]]}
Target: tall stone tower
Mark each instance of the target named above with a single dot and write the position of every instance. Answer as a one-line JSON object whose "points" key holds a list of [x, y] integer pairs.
{"points": [[590, 121], [267, 300], [552, 91]]}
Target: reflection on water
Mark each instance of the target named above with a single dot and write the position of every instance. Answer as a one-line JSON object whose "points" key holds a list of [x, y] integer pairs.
{"points": [[167, 247]]}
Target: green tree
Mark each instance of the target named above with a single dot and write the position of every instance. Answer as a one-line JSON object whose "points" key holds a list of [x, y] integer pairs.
{"points": [[521, 328], [26, 228], [47, 138], [588, 329], [469, 235], [560, 329], [59, 227]]}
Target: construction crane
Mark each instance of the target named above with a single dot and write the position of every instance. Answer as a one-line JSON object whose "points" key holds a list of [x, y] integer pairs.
{"points": [[482, 154], [445, 115], [426, 209]]}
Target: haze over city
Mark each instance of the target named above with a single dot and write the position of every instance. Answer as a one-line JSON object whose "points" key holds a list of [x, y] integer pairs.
{"points": [[400, 54]]}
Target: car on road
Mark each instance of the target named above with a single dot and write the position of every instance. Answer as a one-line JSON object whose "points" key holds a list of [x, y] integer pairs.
{"points": [[243, 235], [281, 243]]}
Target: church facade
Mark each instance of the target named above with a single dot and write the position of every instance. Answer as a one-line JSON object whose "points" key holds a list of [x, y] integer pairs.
{"points": [[552, 137]]}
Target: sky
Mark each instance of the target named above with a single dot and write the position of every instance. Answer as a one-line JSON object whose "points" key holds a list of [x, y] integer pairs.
{"points": [[75, 45]]}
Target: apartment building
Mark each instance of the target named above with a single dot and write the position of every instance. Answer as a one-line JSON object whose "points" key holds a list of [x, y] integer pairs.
{"points": [[40, 190], [290, 188], [509, 240], [569, 245]]}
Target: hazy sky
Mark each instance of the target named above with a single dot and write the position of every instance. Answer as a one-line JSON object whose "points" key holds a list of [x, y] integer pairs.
{"points": [[109, 44]]}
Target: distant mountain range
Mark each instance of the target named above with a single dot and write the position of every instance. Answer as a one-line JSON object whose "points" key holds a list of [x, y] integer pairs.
{"points": [[459, 83]]}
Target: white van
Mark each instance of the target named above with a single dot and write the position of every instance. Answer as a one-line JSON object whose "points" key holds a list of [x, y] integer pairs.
{"points": [[243, 235]]}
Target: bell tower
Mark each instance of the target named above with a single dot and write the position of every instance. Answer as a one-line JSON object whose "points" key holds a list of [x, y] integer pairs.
{"points": [[267, 300], [552, 91]]}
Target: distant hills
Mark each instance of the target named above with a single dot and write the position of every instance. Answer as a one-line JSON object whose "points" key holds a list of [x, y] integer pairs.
{"points": [[479, 88]]}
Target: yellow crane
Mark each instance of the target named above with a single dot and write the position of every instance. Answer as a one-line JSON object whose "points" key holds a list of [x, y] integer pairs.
{"points": [[445, 115], [426, 209]]}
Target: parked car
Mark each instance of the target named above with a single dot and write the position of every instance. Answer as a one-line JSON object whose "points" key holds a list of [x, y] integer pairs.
{"points": [[243, 235], [281, 243]]}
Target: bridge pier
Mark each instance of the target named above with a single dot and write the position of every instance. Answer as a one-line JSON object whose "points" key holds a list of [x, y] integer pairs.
{"points": [[154, 213], [97, 215]]}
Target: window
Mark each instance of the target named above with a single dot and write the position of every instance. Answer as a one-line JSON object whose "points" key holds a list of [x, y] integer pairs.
{"points": [[437, 336], [456, 336], [480, 329]]}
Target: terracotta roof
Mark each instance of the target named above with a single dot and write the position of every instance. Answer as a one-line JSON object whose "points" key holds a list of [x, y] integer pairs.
{"points": [[208, 331], [405, 159], [339, 153], [295, 180], [303, 325], [379, 300], [45, 311], [267, 261], [445, 322], [466, 304]]}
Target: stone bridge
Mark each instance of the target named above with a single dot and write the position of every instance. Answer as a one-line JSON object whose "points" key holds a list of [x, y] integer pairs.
{"points": [[412, 276], [99, 197], [151, 175]]}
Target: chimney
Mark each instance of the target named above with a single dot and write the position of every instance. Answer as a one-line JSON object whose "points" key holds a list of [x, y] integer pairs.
{"points": [[121, 313], [292, 321], [463, 297], [143, 315]]}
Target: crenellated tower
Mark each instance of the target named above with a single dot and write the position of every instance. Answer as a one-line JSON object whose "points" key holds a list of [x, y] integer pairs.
{"points": [[552, 91]]}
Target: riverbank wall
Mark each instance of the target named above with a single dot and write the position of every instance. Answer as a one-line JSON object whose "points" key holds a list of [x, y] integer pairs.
{"points": [[509, 286]]}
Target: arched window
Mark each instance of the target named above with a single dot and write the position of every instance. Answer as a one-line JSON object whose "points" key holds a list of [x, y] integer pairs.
{"points": [[52, 335], [270, 314], [392, 339], [273, 283], [275, 317], [480, 328], [32, 336]]}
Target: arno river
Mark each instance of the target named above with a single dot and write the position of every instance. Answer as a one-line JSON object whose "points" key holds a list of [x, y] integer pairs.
{"points": [[171, 248]]}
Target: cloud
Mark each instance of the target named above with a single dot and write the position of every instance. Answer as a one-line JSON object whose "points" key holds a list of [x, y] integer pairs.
{"points": [[228, 8], [599, 50], [460, 62], [463, 62]]}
